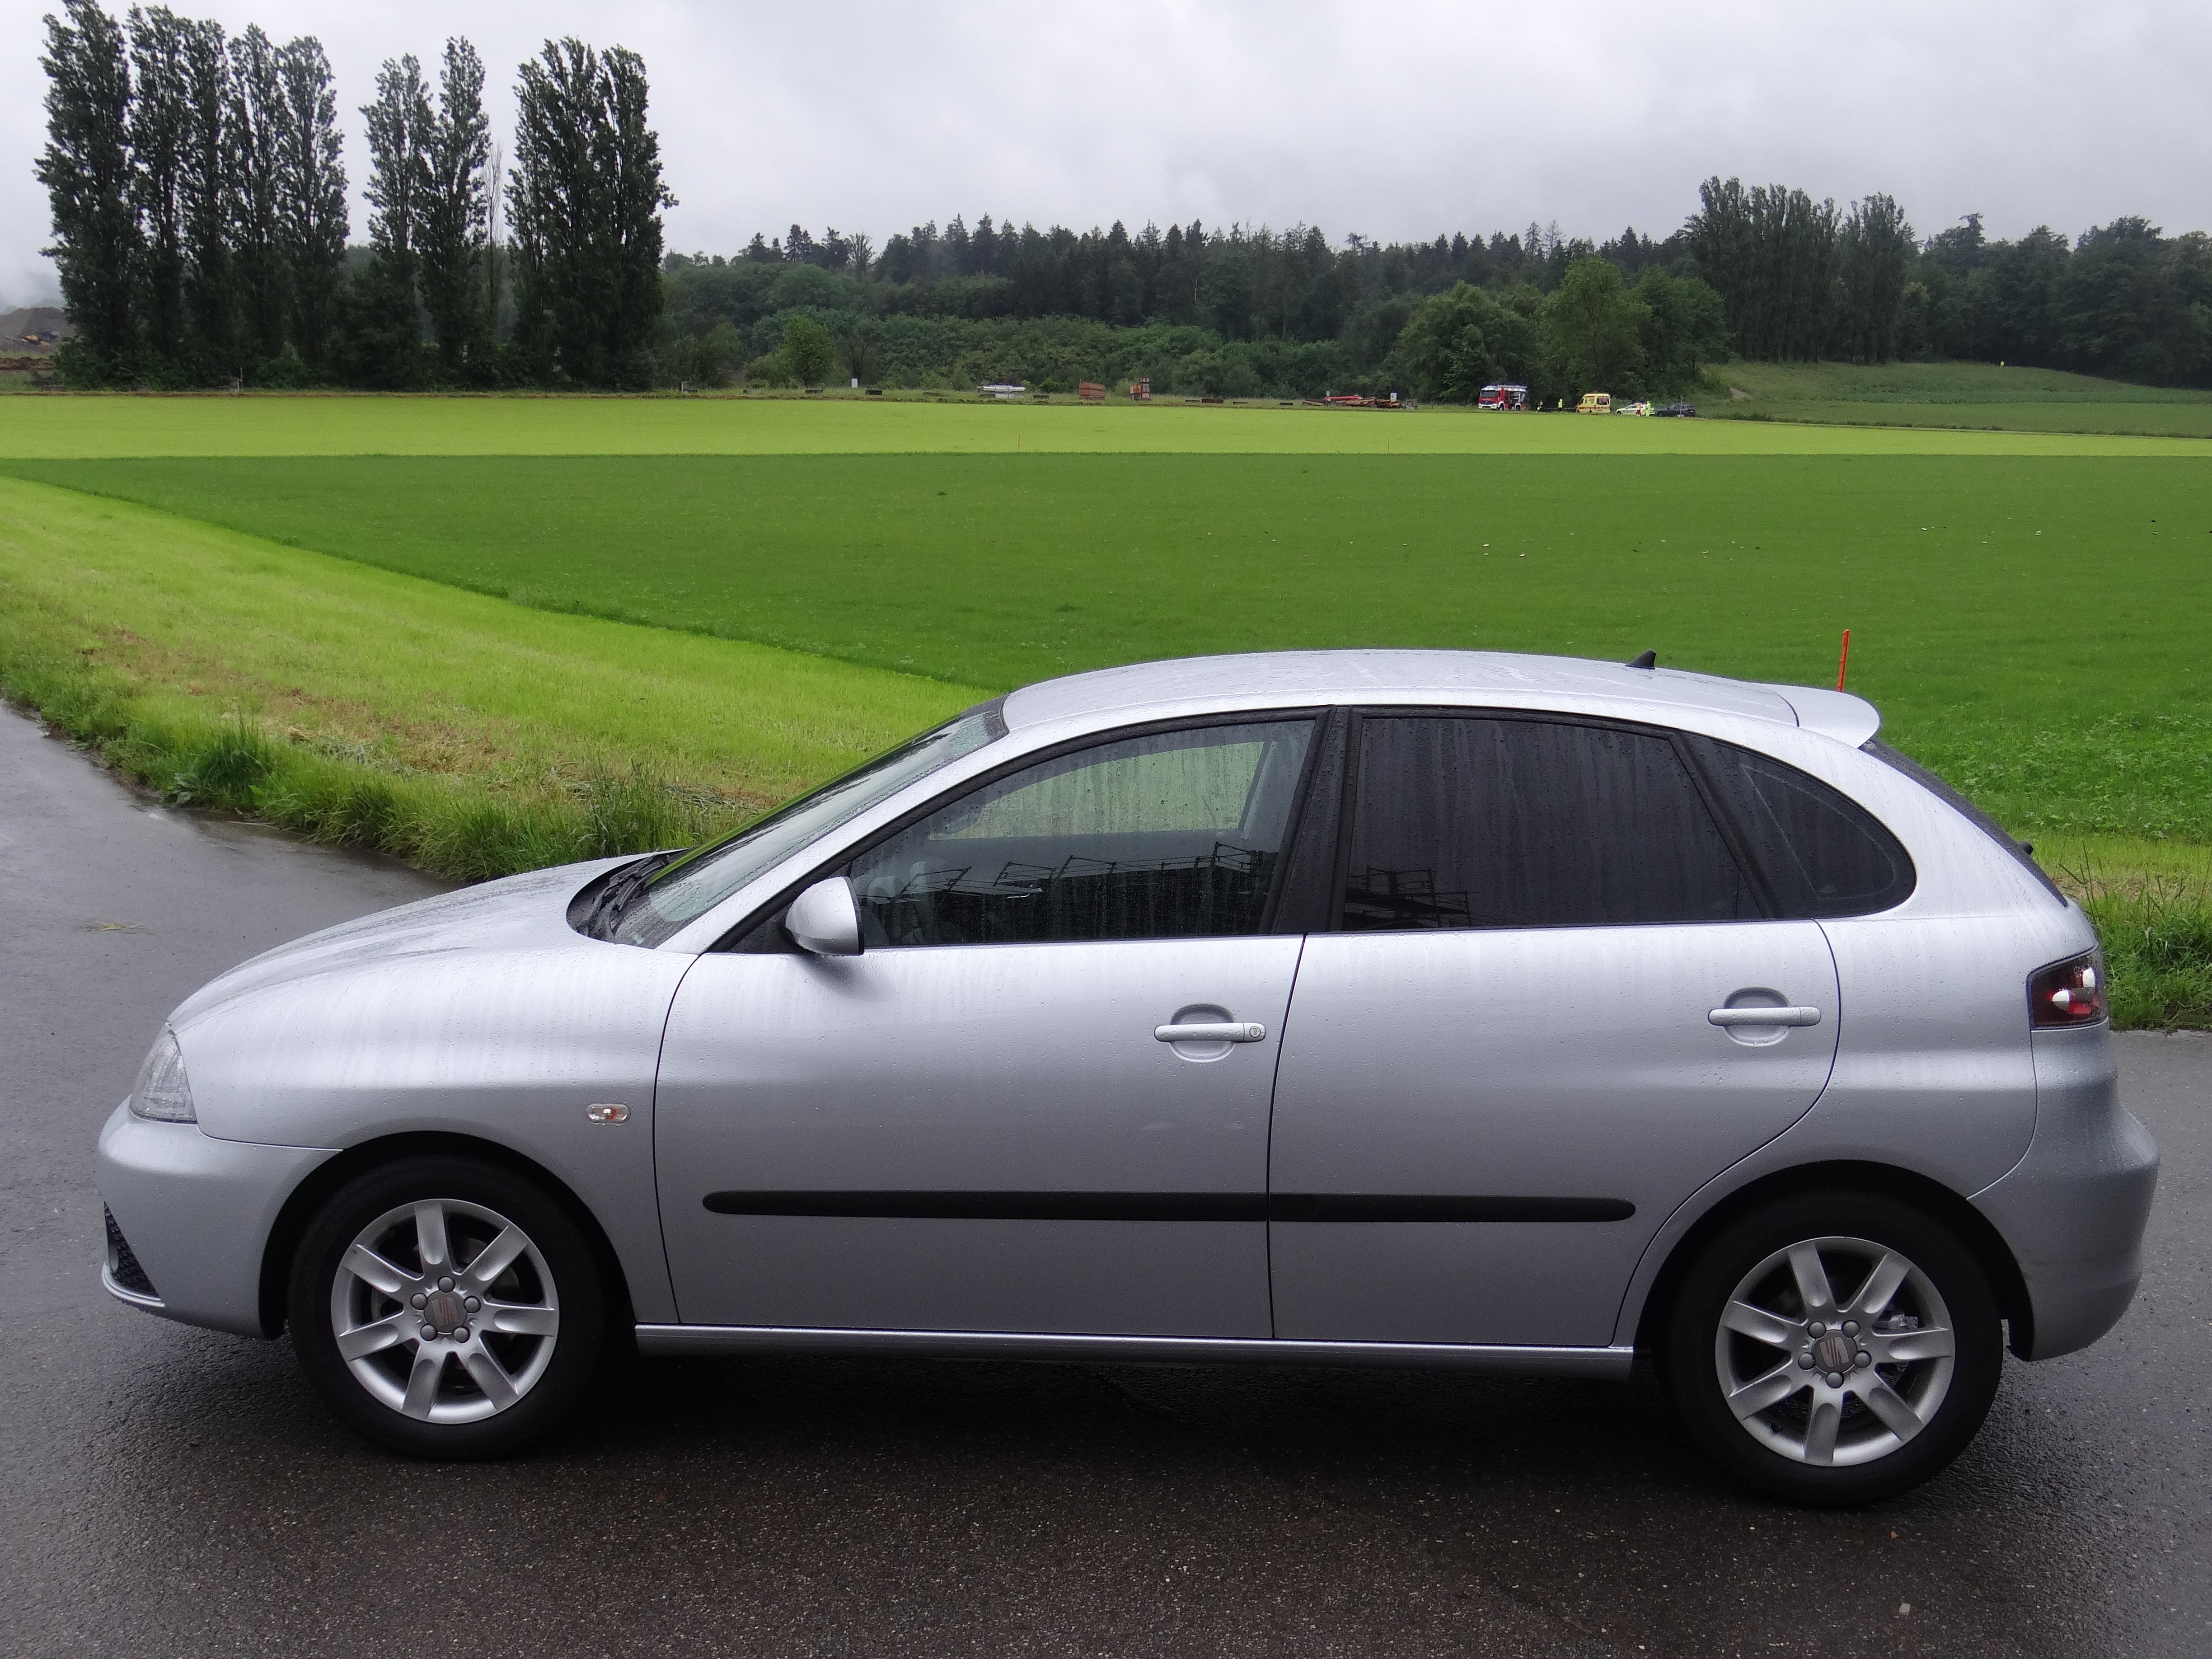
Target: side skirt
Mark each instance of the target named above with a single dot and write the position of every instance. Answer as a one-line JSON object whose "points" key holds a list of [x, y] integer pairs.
{"points": [[1608, 1364]]}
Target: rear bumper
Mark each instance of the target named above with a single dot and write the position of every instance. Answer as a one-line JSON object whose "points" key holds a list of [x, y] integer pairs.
{"points": [[196, 1213], [2074, 1208]]}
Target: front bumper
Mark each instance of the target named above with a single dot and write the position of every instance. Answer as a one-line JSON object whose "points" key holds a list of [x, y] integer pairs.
{"points": [[2075, 1206], [196, 1214]]}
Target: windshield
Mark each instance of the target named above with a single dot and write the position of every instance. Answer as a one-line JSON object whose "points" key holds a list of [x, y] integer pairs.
{"points": [[695, 884]]}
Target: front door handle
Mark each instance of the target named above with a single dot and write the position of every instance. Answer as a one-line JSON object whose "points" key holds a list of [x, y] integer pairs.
{"points": [[1764, 1017], [1215, 1031]]}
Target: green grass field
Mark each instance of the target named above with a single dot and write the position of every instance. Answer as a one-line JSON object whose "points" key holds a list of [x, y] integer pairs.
{"points": [[1974, 586], [679, 636], [56, 427], [1974, 397]]}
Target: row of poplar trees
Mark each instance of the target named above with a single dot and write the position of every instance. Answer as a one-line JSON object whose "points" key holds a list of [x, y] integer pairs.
{"points": [[1803, 279], [201, 228]]}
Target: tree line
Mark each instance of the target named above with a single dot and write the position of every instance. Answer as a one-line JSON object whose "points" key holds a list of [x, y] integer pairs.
{"points": [[1764, 272], [2123, 300], [201, 235], [201, 229], [1233, 313]]}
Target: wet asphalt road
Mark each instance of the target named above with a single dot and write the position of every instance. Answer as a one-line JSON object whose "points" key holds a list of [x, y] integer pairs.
{"points": [[170, 1491]]}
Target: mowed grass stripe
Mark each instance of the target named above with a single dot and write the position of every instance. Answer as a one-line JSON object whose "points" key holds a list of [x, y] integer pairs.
{"points": [[412, 678], [50, 427], [2033, 628]]}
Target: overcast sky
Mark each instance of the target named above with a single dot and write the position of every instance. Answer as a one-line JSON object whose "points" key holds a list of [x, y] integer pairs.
{"points": [[1394, 118]]}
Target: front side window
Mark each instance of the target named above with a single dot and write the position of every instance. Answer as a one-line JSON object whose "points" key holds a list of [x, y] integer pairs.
{"points": [[1173, 835], [1472, 821]]}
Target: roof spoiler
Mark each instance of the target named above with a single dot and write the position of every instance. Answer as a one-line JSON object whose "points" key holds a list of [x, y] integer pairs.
{"points": [[1837, 714]]}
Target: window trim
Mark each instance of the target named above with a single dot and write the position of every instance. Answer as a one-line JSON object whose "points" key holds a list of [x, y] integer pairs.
{"points": [[761, 933]]}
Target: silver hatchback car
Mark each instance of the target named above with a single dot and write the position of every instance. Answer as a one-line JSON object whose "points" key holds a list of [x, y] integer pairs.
{"points": [[1517, 1014]]}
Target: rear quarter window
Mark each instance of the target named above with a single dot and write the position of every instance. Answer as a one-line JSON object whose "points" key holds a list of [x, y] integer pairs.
{"points": [[1822, 853]]}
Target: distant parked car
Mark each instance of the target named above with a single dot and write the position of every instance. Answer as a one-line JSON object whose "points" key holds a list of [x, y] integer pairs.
{"points": [[1512, 1014], [1678, 409], [1639, 407]]}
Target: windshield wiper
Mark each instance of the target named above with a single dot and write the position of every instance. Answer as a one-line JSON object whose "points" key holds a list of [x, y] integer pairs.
{"points": [[622, 887]]}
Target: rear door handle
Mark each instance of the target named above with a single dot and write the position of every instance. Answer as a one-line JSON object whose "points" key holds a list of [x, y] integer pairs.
{"points": [[1764, 1017], [1223, 1031]]}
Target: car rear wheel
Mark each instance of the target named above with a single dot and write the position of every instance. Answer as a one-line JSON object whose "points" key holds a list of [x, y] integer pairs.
{"points": [[1834, 1348], [447, 1308]]}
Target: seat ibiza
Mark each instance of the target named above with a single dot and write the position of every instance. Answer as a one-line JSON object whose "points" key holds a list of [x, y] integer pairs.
{"points": [[1508, 1013]]}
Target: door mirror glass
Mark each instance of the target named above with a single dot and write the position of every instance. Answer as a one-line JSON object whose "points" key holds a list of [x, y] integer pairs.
{"points": [[824, 920], [1173, 835]]}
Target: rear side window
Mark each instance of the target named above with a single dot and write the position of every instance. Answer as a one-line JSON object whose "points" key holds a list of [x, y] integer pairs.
{"points": [[1472, 822], [1823, 854]]}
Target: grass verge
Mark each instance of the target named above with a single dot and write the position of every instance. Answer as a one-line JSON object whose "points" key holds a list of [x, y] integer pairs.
{"points": [[468, 735], [2152, 905]]}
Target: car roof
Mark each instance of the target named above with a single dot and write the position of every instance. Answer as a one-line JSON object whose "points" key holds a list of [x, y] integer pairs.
{"points": [[1301, 677]]}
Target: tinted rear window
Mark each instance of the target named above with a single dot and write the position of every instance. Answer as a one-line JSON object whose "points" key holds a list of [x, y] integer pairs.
{"points": [[1823, 854], [1470, 821]]}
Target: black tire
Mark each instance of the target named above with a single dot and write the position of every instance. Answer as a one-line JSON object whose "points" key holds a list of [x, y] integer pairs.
{"points": [[1777, 1449], [554, 1284]]}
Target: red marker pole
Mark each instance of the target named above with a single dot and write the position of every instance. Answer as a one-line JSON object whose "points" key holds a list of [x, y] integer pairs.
{"points": [[1844, 660]]}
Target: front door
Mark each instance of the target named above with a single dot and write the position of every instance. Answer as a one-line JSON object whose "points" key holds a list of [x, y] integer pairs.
{"points": [[987, 1121], [1502, 1071]]}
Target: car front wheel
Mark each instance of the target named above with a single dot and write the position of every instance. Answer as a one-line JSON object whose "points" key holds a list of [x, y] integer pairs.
{"points": [[1834, 1348], [447, 1308]]}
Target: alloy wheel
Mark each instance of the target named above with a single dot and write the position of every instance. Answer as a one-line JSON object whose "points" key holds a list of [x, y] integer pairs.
{"points": [[445, 1311], [1835, 1351]]}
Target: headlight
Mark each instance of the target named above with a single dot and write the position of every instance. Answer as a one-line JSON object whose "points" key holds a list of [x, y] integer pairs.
{"points": [[163, 1091]]}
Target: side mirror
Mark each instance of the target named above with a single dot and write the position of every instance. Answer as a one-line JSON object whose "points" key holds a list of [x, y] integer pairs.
{"points": [[825, 918]]}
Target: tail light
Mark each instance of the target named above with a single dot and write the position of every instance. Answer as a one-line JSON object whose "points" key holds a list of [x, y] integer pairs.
{"points": [[2071, 992]]}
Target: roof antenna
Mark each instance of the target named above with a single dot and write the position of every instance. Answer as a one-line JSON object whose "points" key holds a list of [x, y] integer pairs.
{"points": [[1643, 659]]}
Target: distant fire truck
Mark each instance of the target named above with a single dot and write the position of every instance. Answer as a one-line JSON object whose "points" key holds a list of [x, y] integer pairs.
{"points": [[1502, 397]]}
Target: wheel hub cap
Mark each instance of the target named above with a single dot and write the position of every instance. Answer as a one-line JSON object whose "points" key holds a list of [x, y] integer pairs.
{"points": [[446, 1311], [1833, 1352]]}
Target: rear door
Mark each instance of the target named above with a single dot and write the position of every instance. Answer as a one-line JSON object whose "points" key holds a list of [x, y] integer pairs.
{"points": [[1502, 1067]]}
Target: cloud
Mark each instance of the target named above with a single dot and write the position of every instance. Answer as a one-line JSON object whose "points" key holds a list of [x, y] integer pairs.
{"points": [[1393, 119]]}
